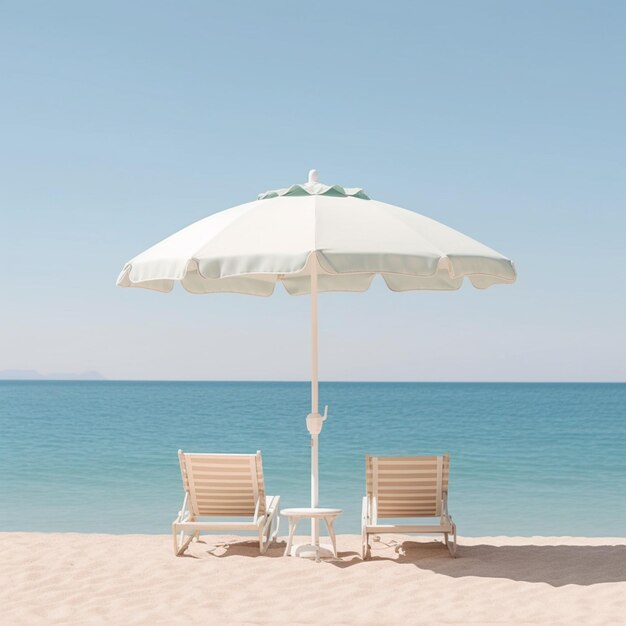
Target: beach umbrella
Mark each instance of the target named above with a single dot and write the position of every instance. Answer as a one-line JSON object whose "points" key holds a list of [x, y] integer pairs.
{"points": [[313, 237]]}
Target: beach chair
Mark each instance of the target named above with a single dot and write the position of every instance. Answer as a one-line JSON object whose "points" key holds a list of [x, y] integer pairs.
{"points": [[224, 486], [406, 487]]}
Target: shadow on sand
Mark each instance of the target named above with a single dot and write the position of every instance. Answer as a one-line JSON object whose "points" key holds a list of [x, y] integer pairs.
{"points": [[556, 565], [223, 549]]}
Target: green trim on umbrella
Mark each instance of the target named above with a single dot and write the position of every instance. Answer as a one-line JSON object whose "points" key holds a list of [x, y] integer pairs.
{"points": [[315, 189]]}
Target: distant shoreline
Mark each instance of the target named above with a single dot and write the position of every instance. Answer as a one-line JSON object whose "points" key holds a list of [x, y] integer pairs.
{"points": [[29, 374]]}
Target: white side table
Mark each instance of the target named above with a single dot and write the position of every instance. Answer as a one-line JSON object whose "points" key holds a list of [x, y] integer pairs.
{"points": [[328, 515]]}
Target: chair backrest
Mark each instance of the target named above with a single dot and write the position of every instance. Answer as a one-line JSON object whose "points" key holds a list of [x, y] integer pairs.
{"points": [[407, 486], [223, 485]]}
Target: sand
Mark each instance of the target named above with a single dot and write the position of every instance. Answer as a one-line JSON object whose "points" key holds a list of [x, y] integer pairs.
{"points": [[75, 578]]}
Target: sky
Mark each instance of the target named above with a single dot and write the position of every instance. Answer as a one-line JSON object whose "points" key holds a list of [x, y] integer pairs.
{"points": [[121, 123]]}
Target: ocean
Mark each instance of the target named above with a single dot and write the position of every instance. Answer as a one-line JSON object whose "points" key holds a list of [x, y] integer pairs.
{"points": [[526, 459]]}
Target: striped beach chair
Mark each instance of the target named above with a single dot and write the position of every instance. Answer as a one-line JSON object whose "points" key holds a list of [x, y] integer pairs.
{"points": [[406, 487], [219, 486]]}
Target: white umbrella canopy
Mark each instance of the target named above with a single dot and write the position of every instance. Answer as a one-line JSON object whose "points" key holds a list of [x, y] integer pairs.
{"points": [[249, 248], [313, 237]]}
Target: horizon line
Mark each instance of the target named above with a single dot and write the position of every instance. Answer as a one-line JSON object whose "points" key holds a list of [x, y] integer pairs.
{"points": [[306, 381]]}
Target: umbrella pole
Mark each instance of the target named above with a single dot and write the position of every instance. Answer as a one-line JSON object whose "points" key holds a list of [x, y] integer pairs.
{"points": [[314, 402], [314, 420]]}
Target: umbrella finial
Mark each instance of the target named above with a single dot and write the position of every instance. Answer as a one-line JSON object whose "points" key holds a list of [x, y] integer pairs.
{"points": [[313, 176]]}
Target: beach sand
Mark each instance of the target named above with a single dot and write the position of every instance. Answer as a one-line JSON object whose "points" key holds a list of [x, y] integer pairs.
{"points": [[74, 578]]}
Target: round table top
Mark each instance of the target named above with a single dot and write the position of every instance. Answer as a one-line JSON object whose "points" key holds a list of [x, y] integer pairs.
{"points": [[310, 512]]}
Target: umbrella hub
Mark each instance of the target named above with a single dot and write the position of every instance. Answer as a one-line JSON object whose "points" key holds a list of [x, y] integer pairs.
{"points": [[314, 188], [315, 421]]}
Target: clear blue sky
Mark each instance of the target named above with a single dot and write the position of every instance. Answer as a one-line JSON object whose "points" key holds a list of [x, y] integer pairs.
{"points": [[121, 122]]}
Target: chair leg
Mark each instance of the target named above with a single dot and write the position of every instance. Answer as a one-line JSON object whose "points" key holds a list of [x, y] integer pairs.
{"points": [[451, 545], [365, 546], [266, 535], [293, 522], [276, 527], [331, 533], [365, 518], [180, 541], [270, 535]]}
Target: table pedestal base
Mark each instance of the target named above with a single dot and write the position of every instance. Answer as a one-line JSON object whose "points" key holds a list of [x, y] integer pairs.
{"points": [[310, 551]]}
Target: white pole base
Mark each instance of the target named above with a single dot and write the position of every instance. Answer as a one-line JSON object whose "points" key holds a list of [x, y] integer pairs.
{"points": [[310, 551]]}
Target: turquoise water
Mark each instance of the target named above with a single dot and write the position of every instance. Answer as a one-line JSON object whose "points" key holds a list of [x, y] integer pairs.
{"points": [[525, 458]]}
